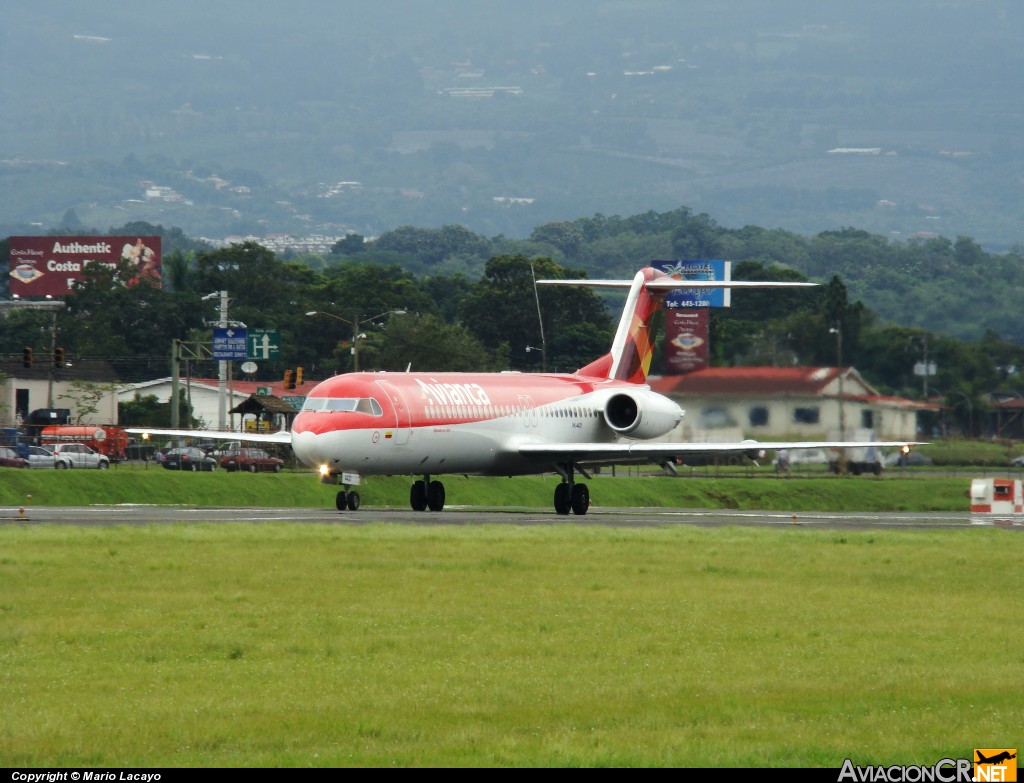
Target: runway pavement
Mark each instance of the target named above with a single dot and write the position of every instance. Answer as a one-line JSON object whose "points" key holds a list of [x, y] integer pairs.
{"points": [[465, 515]]}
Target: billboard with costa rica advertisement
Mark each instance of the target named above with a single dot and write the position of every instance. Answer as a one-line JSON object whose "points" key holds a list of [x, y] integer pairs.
{"points": [[686, 313], [50, 266]]}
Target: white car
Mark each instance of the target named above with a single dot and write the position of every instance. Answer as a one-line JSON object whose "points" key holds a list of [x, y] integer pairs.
{"points": [[78, 455], [805, 457], [38, 457]]}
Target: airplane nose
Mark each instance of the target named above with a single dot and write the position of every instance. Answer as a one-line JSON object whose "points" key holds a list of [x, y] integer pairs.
{"points": [[307, 448]]}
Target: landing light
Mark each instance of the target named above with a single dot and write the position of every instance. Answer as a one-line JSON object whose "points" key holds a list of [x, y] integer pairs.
{"points": [[905, 449], [324, 470]]}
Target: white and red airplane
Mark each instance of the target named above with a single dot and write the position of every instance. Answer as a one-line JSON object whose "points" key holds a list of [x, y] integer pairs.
{"points": [[508, 423]]}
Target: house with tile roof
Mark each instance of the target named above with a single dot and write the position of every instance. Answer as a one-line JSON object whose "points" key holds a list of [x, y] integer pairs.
{"points": [[793, 403]]}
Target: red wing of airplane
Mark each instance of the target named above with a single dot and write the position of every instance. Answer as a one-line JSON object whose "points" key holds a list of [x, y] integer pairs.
{"points": [[507, 424]]}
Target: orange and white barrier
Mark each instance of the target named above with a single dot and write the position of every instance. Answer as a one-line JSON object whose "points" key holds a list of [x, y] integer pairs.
{"points": [[997, 501]]}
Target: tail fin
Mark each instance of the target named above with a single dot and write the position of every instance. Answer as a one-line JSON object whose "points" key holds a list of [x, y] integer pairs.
{"points": [[633, 346]]}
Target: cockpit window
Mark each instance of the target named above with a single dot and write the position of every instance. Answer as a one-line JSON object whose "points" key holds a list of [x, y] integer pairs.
{"points": [[343, 404]]}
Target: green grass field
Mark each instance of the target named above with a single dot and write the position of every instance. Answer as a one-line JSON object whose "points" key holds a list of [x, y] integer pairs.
{"points": [[275, 645], [380, 645]]}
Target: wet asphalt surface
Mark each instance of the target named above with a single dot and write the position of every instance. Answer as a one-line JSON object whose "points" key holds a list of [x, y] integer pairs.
{"points": [[466, 515]]}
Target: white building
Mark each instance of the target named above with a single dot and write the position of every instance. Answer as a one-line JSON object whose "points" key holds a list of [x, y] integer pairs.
{"points": [[77, 386], [204, 396], [783, 403]]}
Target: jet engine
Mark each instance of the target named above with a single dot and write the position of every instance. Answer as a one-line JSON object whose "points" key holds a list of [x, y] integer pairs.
{"points": [[641, 414]]}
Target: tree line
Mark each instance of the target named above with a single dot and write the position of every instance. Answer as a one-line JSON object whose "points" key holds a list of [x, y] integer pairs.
{"points": [[448, 299]]}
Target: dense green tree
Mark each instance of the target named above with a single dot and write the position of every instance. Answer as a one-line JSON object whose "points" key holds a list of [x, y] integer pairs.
{"points": [[349, 245], [106, 318], [502, 309], [565, 237], [177, 268], [148, 411], [428, 343], [353, 298], [431, 246]]}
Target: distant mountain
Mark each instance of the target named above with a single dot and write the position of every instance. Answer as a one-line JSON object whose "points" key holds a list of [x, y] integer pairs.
{"points": [[898, 118]]}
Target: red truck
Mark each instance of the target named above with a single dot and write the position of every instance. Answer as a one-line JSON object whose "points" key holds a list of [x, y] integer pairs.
{"points": [[109, 440]]}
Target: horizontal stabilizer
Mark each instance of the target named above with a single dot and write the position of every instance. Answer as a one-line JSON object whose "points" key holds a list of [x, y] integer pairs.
{"points": [[671, 284]]}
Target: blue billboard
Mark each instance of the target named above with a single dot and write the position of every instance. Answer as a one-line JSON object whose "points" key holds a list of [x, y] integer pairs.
{"points": [[690, 298], [229, 343]]}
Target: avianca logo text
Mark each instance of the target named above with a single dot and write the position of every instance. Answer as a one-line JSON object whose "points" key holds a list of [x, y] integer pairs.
{"points": [[454, 393]]}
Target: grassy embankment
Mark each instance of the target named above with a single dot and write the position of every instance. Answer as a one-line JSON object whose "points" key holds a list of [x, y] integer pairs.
{"points": [[133, 484]]}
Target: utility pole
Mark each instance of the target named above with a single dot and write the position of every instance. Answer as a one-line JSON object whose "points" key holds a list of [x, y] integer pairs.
{"points": [[838, 331], [222, 369], [53, 364], [540, 320], [924, 375]]}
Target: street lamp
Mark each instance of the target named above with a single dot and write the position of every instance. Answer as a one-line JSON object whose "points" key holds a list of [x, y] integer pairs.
{"points": [[355, 324], [543, 355], [837, 330], [223, 364], [927, 368]]}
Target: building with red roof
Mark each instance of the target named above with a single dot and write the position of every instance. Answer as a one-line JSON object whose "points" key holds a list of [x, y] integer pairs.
{"points": [[800, 403]]}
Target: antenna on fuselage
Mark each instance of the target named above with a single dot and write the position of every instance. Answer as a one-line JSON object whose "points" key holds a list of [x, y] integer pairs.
{"points": [[408, 367]]}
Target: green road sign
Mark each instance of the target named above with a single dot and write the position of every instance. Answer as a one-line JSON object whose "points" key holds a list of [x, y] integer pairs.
{"points": [[263, 344]]}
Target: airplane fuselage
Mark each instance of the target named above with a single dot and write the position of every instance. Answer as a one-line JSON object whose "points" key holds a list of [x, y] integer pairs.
{"points": [[470, 423]]}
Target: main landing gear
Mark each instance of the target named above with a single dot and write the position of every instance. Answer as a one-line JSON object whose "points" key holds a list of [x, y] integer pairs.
{"points": [[427, 494], [347, 500], [570, 496]]}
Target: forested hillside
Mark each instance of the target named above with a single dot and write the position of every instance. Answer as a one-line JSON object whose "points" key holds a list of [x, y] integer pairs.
{"points": [[935, 284], [321, 117]]}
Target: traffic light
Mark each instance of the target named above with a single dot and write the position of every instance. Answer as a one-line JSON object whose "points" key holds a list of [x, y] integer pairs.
{"points": [[26, 357], [298, 376], [288, 382], [58, 357]]}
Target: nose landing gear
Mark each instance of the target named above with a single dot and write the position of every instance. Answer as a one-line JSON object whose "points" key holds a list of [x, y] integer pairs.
{"points": [[347, 500]]}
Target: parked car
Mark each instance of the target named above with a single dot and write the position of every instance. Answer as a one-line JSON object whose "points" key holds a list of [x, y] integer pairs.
{"points": [[9, 459], [912, 458], [252, 460], [802, 457], [188, 458], [38, 457], [78, 455]]}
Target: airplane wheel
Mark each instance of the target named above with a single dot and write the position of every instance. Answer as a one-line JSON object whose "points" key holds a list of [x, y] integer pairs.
{"points": [[418, 496], [580, 499], [341, 501], [435, 496], [562, 500], [353, 501]]}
